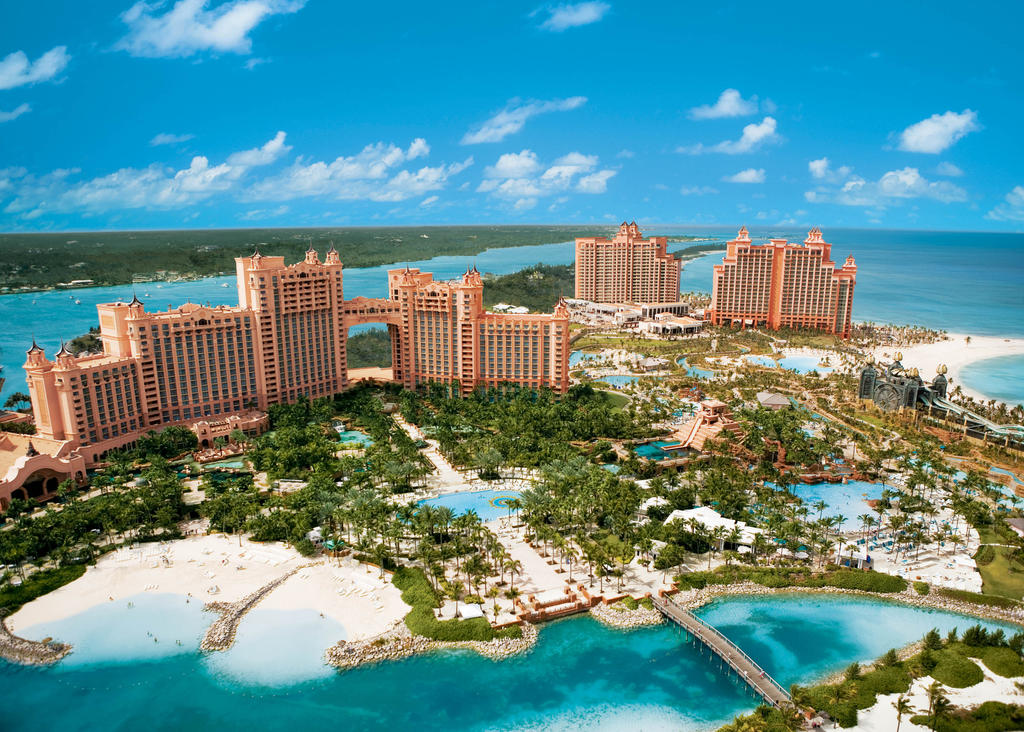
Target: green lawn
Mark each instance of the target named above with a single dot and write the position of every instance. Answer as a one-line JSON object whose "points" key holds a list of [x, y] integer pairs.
{"points": [[618, 401], [1000, 576]]}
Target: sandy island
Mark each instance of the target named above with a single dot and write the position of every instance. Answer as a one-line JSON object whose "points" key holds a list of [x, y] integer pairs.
{"points": [[955, 353], [216, 569]]}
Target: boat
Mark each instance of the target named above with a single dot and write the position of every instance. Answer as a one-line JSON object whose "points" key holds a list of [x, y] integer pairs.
{"points": [[78, 302], [224, 284]]}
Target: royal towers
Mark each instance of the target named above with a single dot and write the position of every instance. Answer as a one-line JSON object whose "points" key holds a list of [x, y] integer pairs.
{"points": [[626, 268], [782, 285], [285, 339]]}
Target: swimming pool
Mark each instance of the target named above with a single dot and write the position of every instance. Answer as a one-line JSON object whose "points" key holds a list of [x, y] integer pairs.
{"points": [[694, 371], [354, 436], [488, 505], [653, 451], [844, 499], [799, 364], [578, 357], [229, 464], [618, 380]]}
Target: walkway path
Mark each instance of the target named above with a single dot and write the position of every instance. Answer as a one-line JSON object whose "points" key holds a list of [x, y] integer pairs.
{"points": [[755, 676]]}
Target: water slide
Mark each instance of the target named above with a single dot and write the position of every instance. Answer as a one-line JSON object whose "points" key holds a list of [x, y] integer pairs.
{"points": [[1015, 431]]}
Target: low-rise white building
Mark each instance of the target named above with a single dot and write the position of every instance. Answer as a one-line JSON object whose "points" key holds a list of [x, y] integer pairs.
{"points": [[712, 520]]}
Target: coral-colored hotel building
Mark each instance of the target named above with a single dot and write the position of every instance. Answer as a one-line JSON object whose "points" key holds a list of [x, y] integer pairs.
{"points": [[626, 268], [203, 366], [782, 285]]}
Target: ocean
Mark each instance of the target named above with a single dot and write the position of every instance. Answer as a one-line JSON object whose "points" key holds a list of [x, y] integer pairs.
{"points": [[957, 281]]}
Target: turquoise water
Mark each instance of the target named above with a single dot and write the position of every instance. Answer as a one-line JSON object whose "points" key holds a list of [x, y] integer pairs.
{"points": [[830, 628], [843, 499], [355, 436], [997, 378], [695, 371], [578, 357], [233, 463], [653, 451], [618, 380], [799, 364], [581, 674], [489, 505]]}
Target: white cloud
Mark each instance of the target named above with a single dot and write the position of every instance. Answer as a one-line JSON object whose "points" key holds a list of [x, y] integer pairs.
{"points": [[167, 138], [518, 177], [754, 136], [595, 182], [938, 132], [625, 154], [1012, 208], [372, 174], [514, 165], [14, 113], [573, 15], [429, 201], [154, 187], [906, 183], [948, 169], [697, 191], [189, 27], [265, 213], [270, 152], [524, 204], [16, 69], [515, 114], [750, 175], [821, 169], [729, 104]]}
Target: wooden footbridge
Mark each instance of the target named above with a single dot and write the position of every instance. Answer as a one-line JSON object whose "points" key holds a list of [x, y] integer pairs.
{"points": [[744, 666]]}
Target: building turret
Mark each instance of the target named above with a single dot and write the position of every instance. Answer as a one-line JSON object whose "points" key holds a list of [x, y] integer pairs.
{"points": [[940, 383], [743, 235], [868, 377], [311, 256], [332, 256]]}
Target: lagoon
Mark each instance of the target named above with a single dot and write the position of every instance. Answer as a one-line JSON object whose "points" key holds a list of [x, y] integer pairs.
{"points": [[580, 674]]}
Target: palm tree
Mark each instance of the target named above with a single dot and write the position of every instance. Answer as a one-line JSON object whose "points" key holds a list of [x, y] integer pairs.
{"points": [[493, 593], [903, 706], [455, 588], [935, 692]]}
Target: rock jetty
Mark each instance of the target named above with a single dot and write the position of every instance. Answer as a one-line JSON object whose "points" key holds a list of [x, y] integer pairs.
{"points": [[29, 652], [399, 642], [617, 615], [221, 633], [693, 599]]}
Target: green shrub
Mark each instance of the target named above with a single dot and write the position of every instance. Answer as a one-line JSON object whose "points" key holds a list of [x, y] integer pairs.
{"points": [[629, 603], [921, 588], [978, 598], [647, 603], [991, 716], [985, 555], [956, 670], [417, 591], [37, 585], [1003, 661]]}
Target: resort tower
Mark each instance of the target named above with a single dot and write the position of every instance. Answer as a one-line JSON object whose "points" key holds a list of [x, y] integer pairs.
{"points": [[782, 285], [626, 268]]}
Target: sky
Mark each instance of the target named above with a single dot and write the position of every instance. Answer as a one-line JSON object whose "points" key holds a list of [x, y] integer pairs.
{"points": [[244, 113]]}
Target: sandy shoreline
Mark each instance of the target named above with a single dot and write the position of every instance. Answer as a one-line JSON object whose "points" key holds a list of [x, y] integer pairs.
{"points": [[956, 353], [359, 601]]}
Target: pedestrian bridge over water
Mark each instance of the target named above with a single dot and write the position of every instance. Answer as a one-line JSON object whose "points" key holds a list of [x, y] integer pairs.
{"points": [[744, 666]]}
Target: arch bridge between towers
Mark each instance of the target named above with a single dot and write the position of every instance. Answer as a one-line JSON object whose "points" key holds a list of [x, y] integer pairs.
{"points": [[376, 310]]}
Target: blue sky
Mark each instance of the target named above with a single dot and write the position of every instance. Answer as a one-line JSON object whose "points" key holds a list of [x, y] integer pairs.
{"points": [[292, 113]]}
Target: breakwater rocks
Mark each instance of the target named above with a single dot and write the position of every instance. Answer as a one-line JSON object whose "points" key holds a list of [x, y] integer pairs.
{"points": [[29, 652], [623, 617], [399, 643], [693, 599], [221, 633]]}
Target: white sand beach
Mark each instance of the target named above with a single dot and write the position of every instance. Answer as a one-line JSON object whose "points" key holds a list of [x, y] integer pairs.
{"points": [[215, 568], [882, 716], [956, 353]]}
